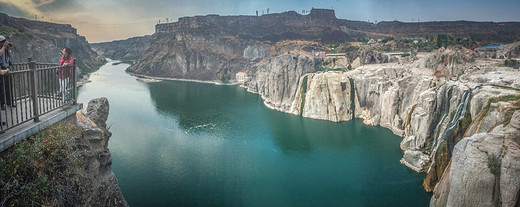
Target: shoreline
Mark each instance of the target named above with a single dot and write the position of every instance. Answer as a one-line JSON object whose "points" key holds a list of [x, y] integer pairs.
{"points": [[178, 79]]}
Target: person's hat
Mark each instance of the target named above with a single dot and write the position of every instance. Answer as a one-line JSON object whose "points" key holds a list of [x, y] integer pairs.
{"points": [[2, 38]]}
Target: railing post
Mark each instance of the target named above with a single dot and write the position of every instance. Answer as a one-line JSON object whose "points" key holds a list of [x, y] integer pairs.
{"points": [[74, 93], [34, 89]]}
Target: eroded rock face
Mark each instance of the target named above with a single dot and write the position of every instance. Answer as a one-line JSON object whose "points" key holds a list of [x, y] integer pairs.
{"points": [[277, 80], [131, 48], [97, 111], [43, 42], [327, 96], [96, 183], [403, 97], [471, 182], [449, 62]]}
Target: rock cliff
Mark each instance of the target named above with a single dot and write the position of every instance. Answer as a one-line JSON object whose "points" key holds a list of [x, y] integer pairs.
{"points": [[432, 113], [97, 184], [215, 47], [485, 170], [43, 41], [277, 79], [129, 49]]}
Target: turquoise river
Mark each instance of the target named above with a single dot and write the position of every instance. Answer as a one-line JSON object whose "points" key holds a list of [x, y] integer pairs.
{"points": [[195, 144]]}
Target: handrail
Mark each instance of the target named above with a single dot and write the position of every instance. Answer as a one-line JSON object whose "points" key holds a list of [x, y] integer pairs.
{"points": [[33, 89]]}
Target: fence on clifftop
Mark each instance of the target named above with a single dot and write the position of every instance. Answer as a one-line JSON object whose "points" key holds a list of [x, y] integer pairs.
{"points": [[33, 89]]}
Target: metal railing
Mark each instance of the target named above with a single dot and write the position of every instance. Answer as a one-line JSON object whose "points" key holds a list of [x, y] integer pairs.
{"points": [[33, 89]]}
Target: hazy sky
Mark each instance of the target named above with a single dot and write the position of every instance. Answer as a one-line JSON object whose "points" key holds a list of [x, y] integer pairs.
{"points": [[106, 20]]}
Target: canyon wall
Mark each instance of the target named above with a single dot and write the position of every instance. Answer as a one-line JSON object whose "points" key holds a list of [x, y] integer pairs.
{"points": [[95, 182], [214, 48], [129, 49], [43, 42], [432, 113]]}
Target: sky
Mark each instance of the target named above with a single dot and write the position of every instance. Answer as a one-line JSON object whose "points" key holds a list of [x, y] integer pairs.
{"points": [[107, 20]]}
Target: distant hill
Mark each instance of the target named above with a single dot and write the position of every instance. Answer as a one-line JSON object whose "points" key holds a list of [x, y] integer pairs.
{"points": [[131, 48], [213, 47]]}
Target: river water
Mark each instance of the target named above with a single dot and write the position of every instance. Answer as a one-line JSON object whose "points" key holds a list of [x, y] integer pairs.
{"points": [[194, 144]]}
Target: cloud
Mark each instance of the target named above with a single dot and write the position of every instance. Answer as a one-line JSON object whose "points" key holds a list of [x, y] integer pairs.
{"points": [[13, 10], [58, 5]]}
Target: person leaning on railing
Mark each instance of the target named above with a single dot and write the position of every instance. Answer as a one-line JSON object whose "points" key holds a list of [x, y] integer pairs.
{"points": [[66, 62], [5, 83]]}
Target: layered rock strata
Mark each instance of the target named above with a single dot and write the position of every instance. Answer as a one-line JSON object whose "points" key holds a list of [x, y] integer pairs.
{"points": [[214, 47], [129, 49], [43, 42], [96, 183], [431, 113], [485, 170]]}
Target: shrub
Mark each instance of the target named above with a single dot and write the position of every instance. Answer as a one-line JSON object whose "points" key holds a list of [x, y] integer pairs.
{"points": [[512, 63], [494, 164], [32, 172]]}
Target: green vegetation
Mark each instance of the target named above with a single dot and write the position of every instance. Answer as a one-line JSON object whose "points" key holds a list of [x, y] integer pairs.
{"points": [[388, 39], [334, 46], [364, 40], [431, 43], [303, 91], [494, 164], [512, 63], [406, 54], [349, 67], [509, 112], [443, 40], [33, 172], [225, 78]]}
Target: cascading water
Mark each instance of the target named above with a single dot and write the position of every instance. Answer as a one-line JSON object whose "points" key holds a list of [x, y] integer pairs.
{"points": [[458, 116], [445, 107]]}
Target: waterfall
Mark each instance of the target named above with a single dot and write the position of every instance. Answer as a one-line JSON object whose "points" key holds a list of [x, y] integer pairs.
{"points": [[445, 107], [458, 116], [352, 98]]}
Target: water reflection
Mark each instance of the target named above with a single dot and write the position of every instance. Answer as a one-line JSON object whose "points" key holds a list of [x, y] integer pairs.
{"points": [[232, 112], [190, 144]]}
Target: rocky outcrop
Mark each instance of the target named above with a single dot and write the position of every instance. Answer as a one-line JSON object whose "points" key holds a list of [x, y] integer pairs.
{"points": [[43, 42], [450, 61], [277, 79], [193, 56], [215, 47], [431, 113], [325, 96], [96, 183], [485, 170], [369, 56], [129, 49]]}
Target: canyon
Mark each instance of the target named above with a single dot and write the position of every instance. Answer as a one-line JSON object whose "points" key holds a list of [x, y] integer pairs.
{"points": [[436, 101], [458, 110]]}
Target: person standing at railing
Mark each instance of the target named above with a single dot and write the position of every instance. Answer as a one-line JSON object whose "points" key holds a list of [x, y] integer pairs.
{"points": [[5, 82], [66, 62]]}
